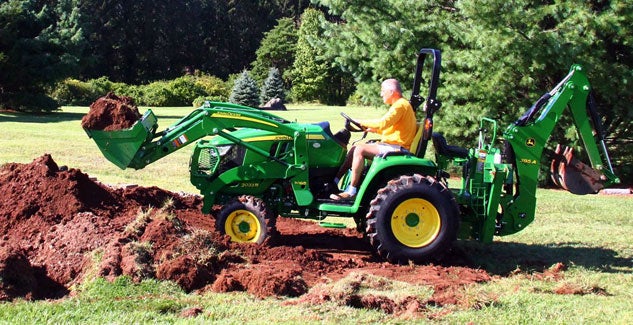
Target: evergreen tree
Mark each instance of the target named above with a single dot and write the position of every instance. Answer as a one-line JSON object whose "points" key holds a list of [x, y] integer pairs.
{"points": [[314, 74], [309, 71], [277, 49], [497, 59], [273, 87], [245, 91], [39, 45], [376, 40], [145, 40]]}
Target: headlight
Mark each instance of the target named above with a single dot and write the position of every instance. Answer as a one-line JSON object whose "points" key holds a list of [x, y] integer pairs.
{"points": [[222, 150]]}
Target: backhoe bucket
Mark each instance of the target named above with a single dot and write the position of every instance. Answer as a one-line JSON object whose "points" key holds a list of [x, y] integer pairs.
{"points": [[120, 146], [573, 175]]}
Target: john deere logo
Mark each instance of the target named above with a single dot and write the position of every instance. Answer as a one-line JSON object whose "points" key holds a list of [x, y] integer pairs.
{"points": [[530, 142]]}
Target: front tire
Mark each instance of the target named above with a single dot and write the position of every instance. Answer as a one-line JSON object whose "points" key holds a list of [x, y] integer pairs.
{"points": [[413, 218], [246, 220]]}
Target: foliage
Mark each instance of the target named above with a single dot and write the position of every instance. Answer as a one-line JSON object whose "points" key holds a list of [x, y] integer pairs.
{"points": [[216, 90], [245, 91], [379, 39], [277, 49], [273, 87], [39, 45], [181, 91], [313, 76], [213, 87], [146, 40], [497, 58], [308, 71], [593, 35], [185, 89], [74, 92], [155, 94]]}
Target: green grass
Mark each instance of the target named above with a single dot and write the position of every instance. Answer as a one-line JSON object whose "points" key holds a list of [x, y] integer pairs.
{"points": [[591, 235], [26, 137]]}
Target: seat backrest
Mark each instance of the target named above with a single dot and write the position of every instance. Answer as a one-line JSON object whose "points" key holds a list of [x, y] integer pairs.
{"points": [[416, 139]]}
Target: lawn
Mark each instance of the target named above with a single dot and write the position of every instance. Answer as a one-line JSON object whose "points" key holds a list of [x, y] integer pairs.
{"points": [[591, 236]]}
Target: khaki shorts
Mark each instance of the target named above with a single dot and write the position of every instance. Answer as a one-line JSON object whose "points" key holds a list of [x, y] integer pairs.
{"points": [[384, 148]]}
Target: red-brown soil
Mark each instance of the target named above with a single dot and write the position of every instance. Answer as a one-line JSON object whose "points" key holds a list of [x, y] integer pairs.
{"points": [[54, 220], [110, 113]]}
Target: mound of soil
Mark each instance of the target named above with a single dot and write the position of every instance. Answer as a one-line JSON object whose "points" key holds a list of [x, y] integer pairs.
{"points": [[110, 113], [58, 226]]}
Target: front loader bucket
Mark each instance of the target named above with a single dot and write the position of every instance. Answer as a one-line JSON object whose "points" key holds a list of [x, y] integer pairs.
{"points": [[120, 146], [573, 175]]}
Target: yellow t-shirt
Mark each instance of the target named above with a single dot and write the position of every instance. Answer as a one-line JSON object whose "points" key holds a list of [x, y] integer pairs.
{"points": [[397, 126]]}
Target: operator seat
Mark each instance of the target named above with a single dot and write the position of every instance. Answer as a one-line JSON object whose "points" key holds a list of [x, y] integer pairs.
{"points": [[442, 147]]}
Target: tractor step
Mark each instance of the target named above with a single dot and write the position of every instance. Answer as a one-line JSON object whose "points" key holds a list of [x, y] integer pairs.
{"points": [[325, 224]]}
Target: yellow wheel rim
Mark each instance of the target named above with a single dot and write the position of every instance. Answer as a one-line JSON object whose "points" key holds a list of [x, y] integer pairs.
{"points": [[415, 223], [243, 226]]}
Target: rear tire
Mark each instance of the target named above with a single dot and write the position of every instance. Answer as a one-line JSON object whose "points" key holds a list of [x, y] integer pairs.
{"points": [[246, 220], [413, 218]]}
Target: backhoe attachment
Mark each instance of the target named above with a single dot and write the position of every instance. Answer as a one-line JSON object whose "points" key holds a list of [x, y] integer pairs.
{"points": [[573, 175]]}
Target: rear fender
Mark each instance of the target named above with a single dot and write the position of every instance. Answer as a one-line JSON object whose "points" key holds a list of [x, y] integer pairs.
{"points": [[384, 169]]}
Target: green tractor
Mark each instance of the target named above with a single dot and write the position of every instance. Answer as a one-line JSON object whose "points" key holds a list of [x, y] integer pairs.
{"points": [[259, 166]]}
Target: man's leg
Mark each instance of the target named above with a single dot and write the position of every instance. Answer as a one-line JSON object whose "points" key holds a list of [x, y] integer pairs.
{"points": [[347, 164], [362, 152]]}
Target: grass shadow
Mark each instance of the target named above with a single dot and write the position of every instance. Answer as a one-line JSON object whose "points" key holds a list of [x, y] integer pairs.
{"points": [[54, 117], [503, 258], [498, 258], [324, 242]]}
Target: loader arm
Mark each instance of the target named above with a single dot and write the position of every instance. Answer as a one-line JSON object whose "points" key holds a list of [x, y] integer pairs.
{"points": [[141, 145], [215, 120], [528, 136]]}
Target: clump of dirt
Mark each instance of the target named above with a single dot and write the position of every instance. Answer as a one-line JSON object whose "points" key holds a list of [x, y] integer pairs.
{"points": [[55, 221], [111, 113], [555, 272], [575, 289], [191, 312], [364, 290]]}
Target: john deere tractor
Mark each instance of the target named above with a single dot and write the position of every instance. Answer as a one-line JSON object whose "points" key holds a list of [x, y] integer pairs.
{"points": [[259, 166]]}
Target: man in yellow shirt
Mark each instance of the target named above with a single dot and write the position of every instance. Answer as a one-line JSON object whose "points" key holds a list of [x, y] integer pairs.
{"points": [[397, 129]]}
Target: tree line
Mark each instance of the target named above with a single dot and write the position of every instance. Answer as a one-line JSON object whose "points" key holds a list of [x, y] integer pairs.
{"points": [[498, 57], [134, 42]]}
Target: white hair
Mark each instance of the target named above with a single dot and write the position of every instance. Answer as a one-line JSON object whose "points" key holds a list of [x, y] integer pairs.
{"points": [[392, 84]]}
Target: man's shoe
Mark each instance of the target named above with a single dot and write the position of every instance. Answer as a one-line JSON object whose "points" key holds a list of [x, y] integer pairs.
{"points": [[343, 196]]}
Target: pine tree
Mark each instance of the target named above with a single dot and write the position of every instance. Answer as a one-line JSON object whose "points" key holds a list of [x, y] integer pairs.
{"points": [[39, 45], [315, 75], [308, 72], [277, 49], [245, 91], [497, 59], [273, 87]]}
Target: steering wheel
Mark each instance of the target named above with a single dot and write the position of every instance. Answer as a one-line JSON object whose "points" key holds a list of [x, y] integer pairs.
{"points": [[352, 125]]}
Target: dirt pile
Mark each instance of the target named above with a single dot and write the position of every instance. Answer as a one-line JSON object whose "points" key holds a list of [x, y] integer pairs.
{"points": [[110, 113], [56, 217], [58, 226]]}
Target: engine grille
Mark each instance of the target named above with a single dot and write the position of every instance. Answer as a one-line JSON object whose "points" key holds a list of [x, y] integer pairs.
{"points": [[210, 162], [207, 161]]}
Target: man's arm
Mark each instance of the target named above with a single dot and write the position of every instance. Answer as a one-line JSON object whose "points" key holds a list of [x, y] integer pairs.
{"points": [[393, 115]]}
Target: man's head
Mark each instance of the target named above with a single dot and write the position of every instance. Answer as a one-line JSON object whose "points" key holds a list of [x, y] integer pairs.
{"points": [[390, 91]]}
